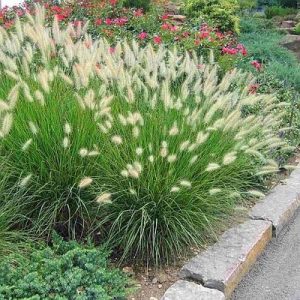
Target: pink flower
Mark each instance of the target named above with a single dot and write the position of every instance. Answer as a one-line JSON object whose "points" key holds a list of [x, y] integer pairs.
{"points": [[20, 12], [165, 17], [229, 50], [112, 50], [253, 88], [256, 64], [219, 35], [143, 35], [8, 24], [120, 21], [157, 40], [138, 13], [77, 23], [165, 26]]}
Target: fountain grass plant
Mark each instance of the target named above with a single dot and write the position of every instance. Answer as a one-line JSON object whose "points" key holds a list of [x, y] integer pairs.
{"points": [[144, 149]]}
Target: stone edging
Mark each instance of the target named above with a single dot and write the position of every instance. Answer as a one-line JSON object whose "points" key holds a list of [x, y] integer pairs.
{"points": [[215, 273]]}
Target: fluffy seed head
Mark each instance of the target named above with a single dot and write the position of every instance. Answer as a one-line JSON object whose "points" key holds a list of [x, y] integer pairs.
{"points": [[66, 142], [212, 167], [175, 189], [24, 182], [104, 198], [229, 158], [117, 140], [83, 152], [171, 158], [33, 127], [214, 191], [139, 151], [256, 193], [174, 130], [67, 128], [26, 145], [185, 183], [85, 182]]}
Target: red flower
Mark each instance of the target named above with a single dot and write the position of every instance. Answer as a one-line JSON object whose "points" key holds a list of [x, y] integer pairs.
{"points": [[57, 9], [60, 17], [98, 22], [165, 17], [157, 40], [143, 35], [253, 88], [256, 64], [204, 34], [113, 2], [242, 49], [112, 50], [108, 21]]}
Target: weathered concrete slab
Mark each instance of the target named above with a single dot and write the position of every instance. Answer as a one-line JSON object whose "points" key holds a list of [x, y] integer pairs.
{"points": [[281, 204], [223, 265], [185, 290]]}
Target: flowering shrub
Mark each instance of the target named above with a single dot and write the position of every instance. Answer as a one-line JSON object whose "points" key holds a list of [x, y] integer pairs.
{"points": [[222, 13], [143, 148], [108, 19]]}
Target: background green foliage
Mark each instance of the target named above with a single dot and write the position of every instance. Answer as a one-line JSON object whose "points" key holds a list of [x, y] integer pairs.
{"points": [[64, 271], [272, 11], [288, 3], [223, 13], [144, 4], [247, 4], [297, 29], [283, 3]]}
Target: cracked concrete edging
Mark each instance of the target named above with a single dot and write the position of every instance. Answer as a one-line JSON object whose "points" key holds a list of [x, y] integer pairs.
{"points": [[215, 273]]}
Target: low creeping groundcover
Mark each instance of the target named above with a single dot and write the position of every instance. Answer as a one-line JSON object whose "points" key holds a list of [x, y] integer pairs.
{"points": [[142, 149]]}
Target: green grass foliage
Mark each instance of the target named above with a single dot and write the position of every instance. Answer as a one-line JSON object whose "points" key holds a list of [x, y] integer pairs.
{"points": [[144, 149]]}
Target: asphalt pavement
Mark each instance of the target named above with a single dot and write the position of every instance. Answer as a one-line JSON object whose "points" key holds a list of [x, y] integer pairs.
{"points": [[276, 274]]}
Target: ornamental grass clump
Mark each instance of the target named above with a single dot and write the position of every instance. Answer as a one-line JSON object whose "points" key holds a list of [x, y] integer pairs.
{"points": [[144, 149]]}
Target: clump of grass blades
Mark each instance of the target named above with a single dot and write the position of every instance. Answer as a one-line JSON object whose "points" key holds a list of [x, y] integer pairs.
{"points": [[146, 148], [12, 240]]}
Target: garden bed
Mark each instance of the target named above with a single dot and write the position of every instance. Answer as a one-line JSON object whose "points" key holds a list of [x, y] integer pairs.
{"points": [[113, 137]]}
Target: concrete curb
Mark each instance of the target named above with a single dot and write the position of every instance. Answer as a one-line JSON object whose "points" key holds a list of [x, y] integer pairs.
{"points": [[222, 266]]}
